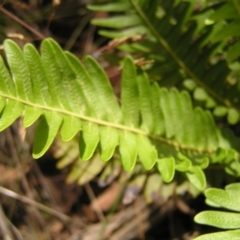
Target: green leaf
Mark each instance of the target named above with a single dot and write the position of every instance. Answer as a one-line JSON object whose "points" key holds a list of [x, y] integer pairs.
{"points": [[189, 84], [187, 117], [38, 76], [231, 156], [183, 164], [31, 114], [224, 220], [220, 111], [200, 94], [219, 155], [67, 78], [226, 199], [176, 111], [104, 89], [8, 85], [2, 104], [118, 21], [225, 11], [47, 130], [109, 141], [129, 94], [210, 130], [233, 52], [10, 113], [129, 32], [20, 70], [197, 177], [145, 101], [128, 150], [202, 162], [165, 106], [157, 114], [166, 167], [70, 127], [233, 167], [212, 204], [83, 87], [146, 152], [89, 140], [233, 116], [230, 30], [233, 187], [53, 75], [210, 103]]}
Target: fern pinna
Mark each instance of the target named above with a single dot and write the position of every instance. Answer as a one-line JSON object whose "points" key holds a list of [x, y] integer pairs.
{"points": [[153, 125], [229, 199]]}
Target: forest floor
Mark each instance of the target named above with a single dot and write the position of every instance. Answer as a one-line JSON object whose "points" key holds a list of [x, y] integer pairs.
{"points": [[37, 203]]}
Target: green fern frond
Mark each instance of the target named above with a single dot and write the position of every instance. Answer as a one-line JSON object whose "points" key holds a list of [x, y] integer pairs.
{"points": [[223, 17], [172, 29], [67, 97]]}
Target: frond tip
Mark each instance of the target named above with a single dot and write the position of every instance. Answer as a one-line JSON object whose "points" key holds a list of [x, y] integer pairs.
{"points": [[66, 96]]}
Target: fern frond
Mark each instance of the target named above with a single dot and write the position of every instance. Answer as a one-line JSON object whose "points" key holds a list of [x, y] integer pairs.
{"points": [[184, 42], [68, 97]]}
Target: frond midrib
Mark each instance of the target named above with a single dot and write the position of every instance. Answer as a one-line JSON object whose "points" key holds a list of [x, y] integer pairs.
{"points": [[109, 124]]}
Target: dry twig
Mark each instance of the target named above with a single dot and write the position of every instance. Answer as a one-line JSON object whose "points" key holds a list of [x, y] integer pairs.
{"points": [[40, 206]]}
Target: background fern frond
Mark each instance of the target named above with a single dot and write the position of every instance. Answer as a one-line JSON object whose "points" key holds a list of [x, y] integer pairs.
{"points": [[178, 32]]}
